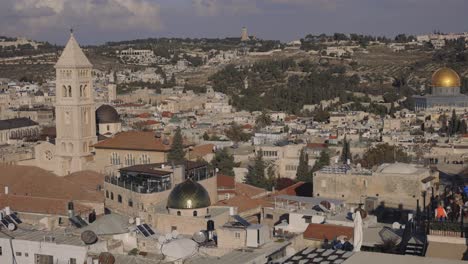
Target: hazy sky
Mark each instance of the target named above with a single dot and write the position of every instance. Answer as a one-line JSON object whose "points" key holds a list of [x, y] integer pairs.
{"points": [[97, 21]]}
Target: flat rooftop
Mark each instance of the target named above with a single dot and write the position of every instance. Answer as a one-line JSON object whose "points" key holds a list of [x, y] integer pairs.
{"points": [[26, 232]]}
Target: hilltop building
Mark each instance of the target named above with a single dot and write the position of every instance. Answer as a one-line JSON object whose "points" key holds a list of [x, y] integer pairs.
{"points": [[445, 92], [244, 35]]}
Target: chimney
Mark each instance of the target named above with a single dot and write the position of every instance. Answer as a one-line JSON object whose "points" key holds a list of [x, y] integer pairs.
{"points": [[6, 190]]}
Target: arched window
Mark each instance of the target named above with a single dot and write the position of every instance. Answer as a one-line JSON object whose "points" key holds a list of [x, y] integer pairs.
{"points": [[112, 196], [64, 91], [130, 202], [85, 147], [119, 198], [85, 91], [195, 213], [69, 91], [81, 90], [108, 127], [64, 148], [178, 213], [107, 194]]}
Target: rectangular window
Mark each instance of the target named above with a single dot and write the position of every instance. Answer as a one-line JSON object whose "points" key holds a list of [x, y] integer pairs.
{"points": [[72, 261], [173, 228], [308, 219], [237, 235], [18, 254], [269, 216], [1, 252]]}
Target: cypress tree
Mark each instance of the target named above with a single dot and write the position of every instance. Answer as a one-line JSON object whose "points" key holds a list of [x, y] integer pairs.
{"points": [[224, 162], [177, 153], [302, 173], [346, 151], [256, 172]]}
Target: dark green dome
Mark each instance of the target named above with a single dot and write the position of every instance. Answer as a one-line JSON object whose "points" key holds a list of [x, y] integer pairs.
{"points": [[188, 195]]}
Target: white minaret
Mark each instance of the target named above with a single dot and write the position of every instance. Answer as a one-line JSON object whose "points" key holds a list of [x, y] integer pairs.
{"points": [[74, 110]]}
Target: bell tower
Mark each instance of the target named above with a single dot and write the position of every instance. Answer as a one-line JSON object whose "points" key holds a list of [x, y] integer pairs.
{"points": [[74, 110]]}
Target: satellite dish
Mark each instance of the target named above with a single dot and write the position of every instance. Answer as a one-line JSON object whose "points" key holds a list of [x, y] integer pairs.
{"points": [[199, 237], [162, 239], [168, 236], [396, 225], [89, 237], [11, 227], [131, 221], [174, 234]]}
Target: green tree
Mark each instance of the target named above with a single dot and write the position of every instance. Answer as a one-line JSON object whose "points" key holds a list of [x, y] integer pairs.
{"points": [[302, 173], [263, 120], [384, 153], [346, 151], [322, 161], [206, 137], [462, 128], [177, 153], [256, 172], [224, 162], [235, 133]]}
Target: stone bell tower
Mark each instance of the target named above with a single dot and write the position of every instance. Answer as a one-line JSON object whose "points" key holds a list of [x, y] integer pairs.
{"points": [[74, 110]]}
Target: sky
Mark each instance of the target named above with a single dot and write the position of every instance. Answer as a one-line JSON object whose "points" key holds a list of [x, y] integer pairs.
{"points": [[98, 21]]}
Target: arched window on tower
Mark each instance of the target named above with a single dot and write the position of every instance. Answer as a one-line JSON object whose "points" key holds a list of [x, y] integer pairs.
{"points": [[86, 116], [81, 90], [85, 91], [64, 91], [85, 147], [64, 148], [69, 91]]}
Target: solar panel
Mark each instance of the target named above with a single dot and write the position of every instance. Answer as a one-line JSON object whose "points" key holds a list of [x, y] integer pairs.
{"points": [[75, 222], [148, 228], [8, 219], [241, 220], [16, 218], [80, 220], [5, 223], [143, 231]]}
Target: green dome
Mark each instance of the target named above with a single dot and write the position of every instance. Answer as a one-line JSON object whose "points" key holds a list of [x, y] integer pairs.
{"points": [[188, 195]]}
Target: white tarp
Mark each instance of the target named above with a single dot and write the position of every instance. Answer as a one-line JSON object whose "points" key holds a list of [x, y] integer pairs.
{"points": [[357, 237]]}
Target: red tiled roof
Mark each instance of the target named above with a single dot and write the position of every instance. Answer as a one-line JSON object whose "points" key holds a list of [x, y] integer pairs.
{"points": [[247, 126], [249, 190], [150, 122], [333, 137], [144, 115], [201, 150], [243, 203], [136, 140], [35, 182], [316, 145], [40, 205], [225, 182], [167, 114], [326, 231]]}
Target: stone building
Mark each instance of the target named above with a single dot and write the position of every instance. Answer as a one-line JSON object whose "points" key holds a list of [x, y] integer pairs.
{"points": [[12, 130], [393, 184]]}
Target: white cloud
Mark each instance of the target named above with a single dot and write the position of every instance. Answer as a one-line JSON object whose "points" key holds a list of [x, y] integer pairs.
{"points": [[34, 16], [225, 7]]}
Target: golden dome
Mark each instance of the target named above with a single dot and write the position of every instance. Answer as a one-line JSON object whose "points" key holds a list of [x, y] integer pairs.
{"points": [[445, 77]]}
